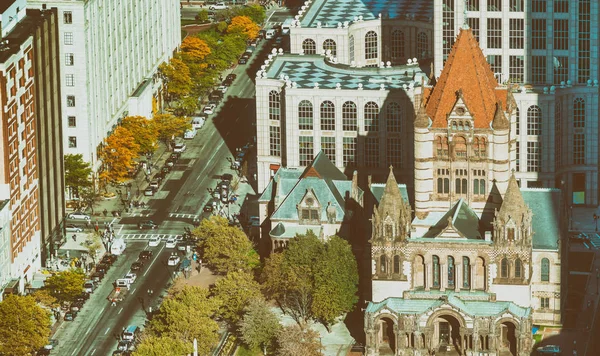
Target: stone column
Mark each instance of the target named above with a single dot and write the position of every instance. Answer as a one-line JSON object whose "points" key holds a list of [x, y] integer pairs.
{"points": [[458, 277], [428, 276], [397, 338], [443, 277], [472, 281], [371, 342]]}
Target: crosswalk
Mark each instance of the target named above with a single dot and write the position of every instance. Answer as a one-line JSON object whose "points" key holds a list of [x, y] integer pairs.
{"points": [[147, 213], [149, 236], [595, 240], [184, 216]]}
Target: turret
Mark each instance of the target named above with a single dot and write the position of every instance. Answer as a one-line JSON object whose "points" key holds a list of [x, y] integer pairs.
{"points": [[423, 162], [501, 151]]}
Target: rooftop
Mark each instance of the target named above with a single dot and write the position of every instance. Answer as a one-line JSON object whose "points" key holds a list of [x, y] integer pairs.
{"points": [[331, 12], [17, 36], [306, 70]]}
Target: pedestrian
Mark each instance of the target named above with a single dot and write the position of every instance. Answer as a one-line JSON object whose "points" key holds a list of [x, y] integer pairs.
{"points": [[74, 237], [113, 303]]}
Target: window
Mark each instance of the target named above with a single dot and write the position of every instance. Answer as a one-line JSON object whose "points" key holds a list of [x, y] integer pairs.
{"points": [[479, 182], [349, 116], [516, 5], [70, 80], [510, 233], [68, 38], [329, 45], [309, 46], [305, 115], [561, 6], [372, 152], [305, 150], [544, 302], [71, 101], [309, 216], [460, 147], [466, 273], [371, 45], [274, 106], [67, 17], [538, 34], [561, 34], [579, 113], [460, 186], [441, 146], [504, 268], [349, 154], [436, 271], [473, 5], [448, 27], [371, 116], [351, 49], [422, 45], [72, 142], [518, 160], [443, 181], [480, 147], [538, 69], [72, 121], [393, 117], [397, 45], [328, 147], [579, 148], [383, 264], [494, 35], [473, 23], [545, 276], [327, 116], [275, 141], [397, 264], [515, 33], [534, 120], [518, 268], [534, 155], [69, 59], [450, 272], [394, 152], [518, 119], [561, 69], [494, 5], [538, 5], [515, 69], [583, 73], [495, 61], [557, 135]]}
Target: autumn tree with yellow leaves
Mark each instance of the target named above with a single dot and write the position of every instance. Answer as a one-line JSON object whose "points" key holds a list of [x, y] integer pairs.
{"points": [[169, 126], [243, 25], [194, 49], [117, 155], [143, 131], [177, 75]]}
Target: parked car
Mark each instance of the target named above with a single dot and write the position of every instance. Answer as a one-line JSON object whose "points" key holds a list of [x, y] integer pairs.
{"points": [[148, 224], [149, 192], [82, 297], [108, 259], [154, 184], [145, 255], [242, 60], [208, 207], [175, 156], [73, 228], [230, 78], [209, 109], [79, 216], [222, 89], [179, 147], [170, 162], [69, 316], [124, 345], [170, 243], [137, 266], [218, 6], [154, 241], [101, 267], [173, 260], [130, 277], [97, 276]]}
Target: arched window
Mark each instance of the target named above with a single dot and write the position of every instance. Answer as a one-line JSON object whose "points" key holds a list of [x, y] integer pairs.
{"points": [[510, 233], [274, 105], [451, 272], [305, 115], [442, 146], [351, 48], [397, 45], [460, 147], [518, 268], [394, 116], [349, 116], [309, 46], [327, 116], [397, 264], [534, 120], [579, 113], [504, 268], [460, 126], [371, 116], [454, 126], [371, 45], [329, 45], [545, 270], [382, 264], [436, 271], [422, 45], [466, 272]]}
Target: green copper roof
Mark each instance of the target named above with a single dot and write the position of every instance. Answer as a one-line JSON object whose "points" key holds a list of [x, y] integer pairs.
{"points": [[324, 191], [377, 190], [545, 204], [463, 219], [282, 231]]}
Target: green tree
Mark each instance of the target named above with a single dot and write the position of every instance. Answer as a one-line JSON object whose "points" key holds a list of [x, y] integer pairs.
{"points": [[235, 291], [89, 197], [169, 126], [143, 131], [185, 106], [93, 245], [255, 12], [43, 297], [295, 341], [226, 248], [186, 315], [24, 326], [77, 173], [162, 346], [259, 326], [65, 285], [202, 16], [177, 75], [117, 155], [222, 26], [312, 280]]}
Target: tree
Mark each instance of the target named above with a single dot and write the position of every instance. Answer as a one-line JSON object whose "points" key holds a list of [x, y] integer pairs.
{"points": [[89, 197], [202, 16], [194, 49], [93, 245], [185, 106], [77, 173], [235, 291], [188, 315], [226, 248], [259, 326], [169, 126], [65, 286], [255, 12], [312, 280], [222, 26], [24, 326], [177, 75], [117, 155], [143, 131], [245, 26], [43, 297], [295, 341], [162, 346]]}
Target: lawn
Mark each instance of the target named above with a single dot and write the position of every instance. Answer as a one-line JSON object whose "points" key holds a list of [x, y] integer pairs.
{"points": [[244, 351]]}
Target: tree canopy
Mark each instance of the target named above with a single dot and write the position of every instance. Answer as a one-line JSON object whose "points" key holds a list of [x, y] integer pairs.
{"points": [[255, 12], [235, 291], [226, 248], [243, 25], [178, 78], [169, 126], [24, 326], [312, 280], [117, 155], [194, 49], [296, 341], [143, 131], [259, 326], [162, 346], [65, 285], [77, 172]]}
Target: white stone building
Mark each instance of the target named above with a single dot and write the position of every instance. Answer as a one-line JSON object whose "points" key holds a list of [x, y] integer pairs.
{"points": [[110, 54], [549, 50]]}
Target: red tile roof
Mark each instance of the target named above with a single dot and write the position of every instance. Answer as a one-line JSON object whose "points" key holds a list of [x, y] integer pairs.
{"points": [[466, 69]]}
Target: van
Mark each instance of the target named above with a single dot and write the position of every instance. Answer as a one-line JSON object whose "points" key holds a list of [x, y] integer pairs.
{"points": [[198, 122], [270, 34], [123, 283], [130, 333], [189, 134], [89, 286]]}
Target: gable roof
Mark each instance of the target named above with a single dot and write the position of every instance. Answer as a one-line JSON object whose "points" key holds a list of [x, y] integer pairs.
{"points": [[461, 218], [466, 71], [322, 167]]}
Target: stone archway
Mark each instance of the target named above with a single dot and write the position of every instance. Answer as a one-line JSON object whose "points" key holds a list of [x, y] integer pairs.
{"points": [[387, 336], [508, 338], [446, 335]]}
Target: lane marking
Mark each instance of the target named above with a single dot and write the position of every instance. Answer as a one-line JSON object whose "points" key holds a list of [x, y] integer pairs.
{"points": [[154, 260], [121, 228], [133, 291], [73, 352], [106, 332], [120, 310], [88, 330], [93, 352]]}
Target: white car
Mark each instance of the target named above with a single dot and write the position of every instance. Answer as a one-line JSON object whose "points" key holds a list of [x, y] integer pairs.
{"points": [[131, 277], [179, 148], [173, 260], [79, 216], [209, 109], [73, 228], [154, 241], [222, 88], [218, 6], [171, 242]]}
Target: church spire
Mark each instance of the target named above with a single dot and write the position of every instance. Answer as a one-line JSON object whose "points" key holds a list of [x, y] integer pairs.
{"points": [[500, 121], [513, 204]]}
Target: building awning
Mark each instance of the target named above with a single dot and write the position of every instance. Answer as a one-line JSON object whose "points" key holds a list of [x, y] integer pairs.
{"points": [[12, 287]]}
